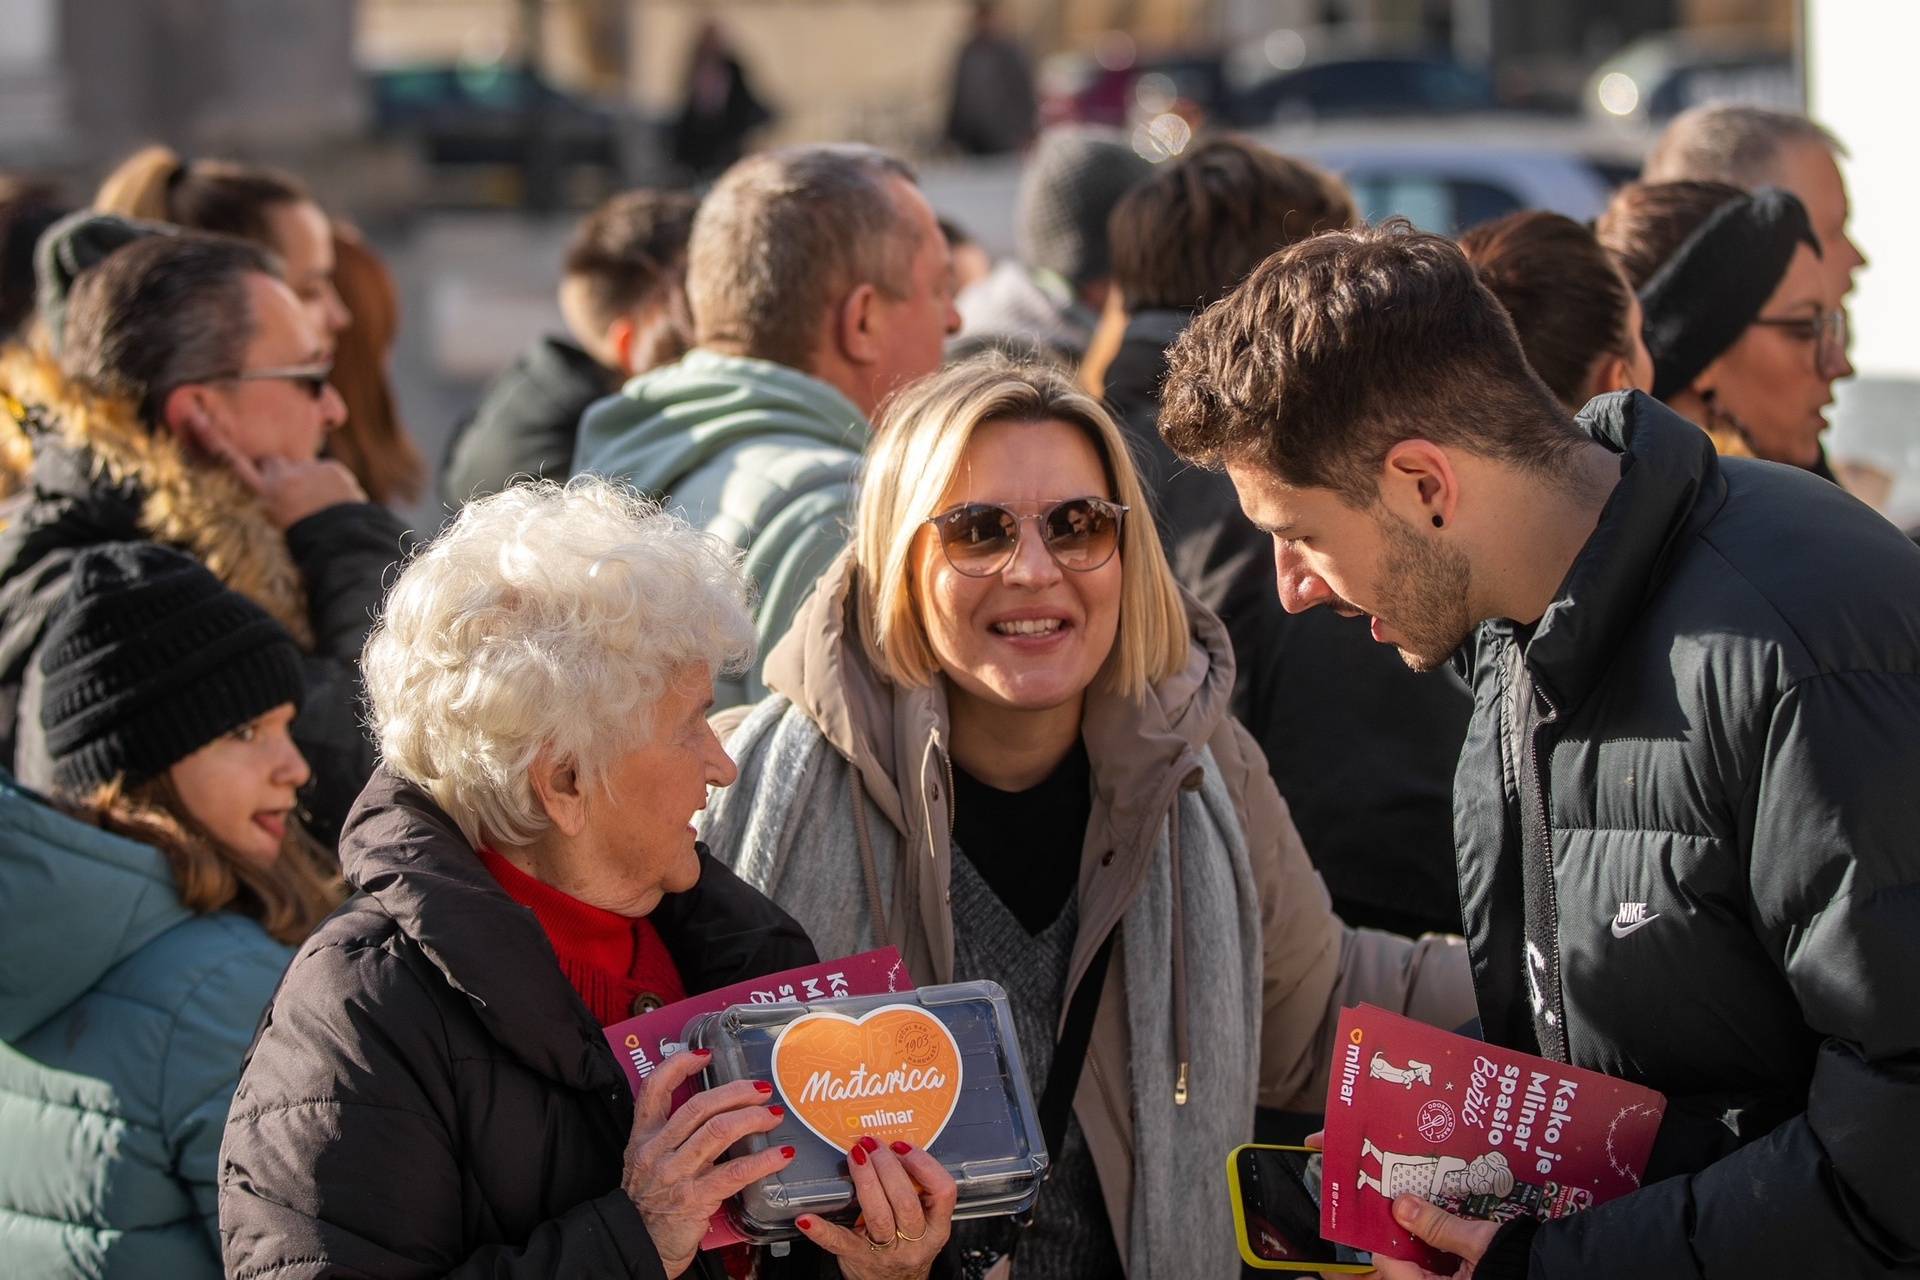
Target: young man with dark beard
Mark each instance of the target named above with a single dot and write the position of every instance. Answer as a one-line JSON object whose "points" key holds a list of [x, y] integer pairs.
{"points": [[1685, 813]]}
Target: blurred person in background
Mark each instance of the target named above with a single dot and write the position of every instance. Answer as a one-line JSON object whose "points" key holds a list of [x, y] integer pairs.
{"points": [[623, 299], [140, 948], [992, 108], [1744, 323], [1000, 741], [186, 404], [718, 106], [372, 442], [820, 283], [1048, 300], [26, 210], [276, 211], [971, 261], [1754, 147], [431, 1092], [1362, 748], [1578, 321]]}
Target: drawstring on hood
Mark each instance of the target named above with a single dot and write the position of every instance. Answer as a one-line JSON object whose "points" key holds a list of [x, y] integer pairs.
{"points": [[1182, 1045]]}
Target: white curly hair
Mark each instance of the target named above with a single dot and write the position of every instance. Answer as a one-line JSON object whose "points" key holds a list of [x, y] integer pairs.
{"points": [[546, 617]]}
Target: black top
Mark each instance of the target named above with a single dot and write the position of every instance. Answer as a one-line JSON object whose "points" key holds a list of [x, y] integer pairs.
{"points": [[425, 1050], [526, 423], [1026, 844], [1704, 784], [1362, 748]]}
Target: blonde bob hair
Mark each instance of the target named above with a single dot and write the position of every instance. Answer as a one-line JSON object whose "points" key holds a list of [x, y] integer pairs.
{"points": [[918, 447], [546, 618]]}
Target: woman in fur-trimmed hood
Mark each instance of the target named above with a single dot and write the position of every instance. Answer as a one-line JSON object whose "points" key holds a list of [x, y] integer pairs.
{"points": [[162, 419]]}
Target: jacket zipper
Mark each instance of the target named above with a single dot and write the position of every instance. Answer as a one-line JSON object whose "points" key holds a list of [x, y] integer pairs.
{"points": [[1555, 1003]]}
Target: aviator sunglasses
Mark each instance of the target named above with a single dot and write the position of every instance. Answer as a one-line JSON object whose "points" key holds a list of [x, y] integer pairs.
{"points": [[980, 539]]}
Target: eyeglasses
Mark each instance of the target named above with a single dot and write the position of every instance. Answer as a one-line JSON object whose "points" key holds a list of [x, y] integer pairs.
{"points": [[311, 378], [981, 539], [1827, 330]]}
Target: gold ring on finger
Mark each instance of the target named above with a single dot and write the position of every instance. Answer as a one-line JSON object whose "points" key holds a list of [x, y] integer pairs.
{"points": [[876, 1246], [901, 1235]]}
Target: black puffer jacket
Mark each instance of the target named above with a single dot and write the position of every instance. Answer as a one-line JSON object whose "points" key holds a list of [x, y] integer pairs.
{"points": [[340, 555], [1720, 750], [1362, 748], [427, 1096], [526, 422]]}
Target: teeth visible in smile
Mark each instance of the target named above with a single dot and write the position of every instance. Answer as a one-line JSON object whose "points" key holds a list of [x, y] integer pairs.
{"points": [[1029, 627]]}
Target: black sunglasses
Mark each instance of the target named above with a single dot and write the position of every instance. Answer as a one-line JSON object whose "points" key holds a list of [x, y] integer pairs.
{"points": [[980, 539]]}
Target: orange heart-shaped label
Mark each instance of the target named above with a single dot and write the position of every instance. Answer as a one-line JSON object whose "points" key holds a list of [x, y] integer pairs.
{"points": [[893, 1073]]}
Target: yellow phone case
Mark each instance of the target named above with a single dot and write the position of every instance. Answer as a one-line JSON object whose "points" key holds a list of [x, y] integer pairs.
{"points": [[1240, 1234]]}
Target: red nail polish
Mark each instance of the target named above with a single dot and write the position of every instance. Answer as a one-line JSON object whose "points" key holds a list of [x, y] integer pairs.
{"points": [[901, 1148], [763, 1086], [858, 1155], [870, 1144], [776, 1111], [803, 1222], [787, 1152]]}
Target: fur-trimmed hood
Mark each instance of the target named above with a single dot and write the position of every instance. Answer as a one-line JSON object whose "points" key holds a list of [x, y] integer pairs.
{"points": [[73, 458]]}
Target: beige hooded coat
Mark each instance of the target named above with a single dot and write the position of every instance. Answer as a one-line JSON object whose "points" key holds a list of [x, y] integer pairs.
{"points": [[1172, 761]]}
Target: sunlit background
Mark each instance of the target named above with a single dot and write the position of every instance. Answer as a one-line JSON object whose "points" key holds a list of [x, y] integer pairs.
{"points": [[463, 135]]}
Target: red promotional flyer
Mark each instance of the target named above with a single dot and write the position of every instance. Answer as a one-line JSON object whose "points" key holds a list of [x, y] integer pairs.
{"points": [[640, 1043], [1482, 1132]]}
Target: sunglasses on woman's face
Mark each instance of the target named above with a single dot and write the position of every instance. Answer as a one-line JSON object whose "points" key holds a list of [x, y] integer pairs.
{"points": [[980, 539]]}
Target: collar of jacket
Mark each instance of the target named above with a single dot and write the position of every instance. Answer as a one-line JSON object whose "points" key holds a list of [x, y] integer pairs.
{"points": [[1670, 484], [94, 454], [1141, 751], [404, 851]]}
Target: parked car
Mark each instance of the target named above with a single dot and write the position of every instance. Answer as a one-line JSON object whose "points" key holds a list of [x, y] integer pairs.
{"points": [[1377, 85], [1450, 176], [497, 114], [1657, 77]]}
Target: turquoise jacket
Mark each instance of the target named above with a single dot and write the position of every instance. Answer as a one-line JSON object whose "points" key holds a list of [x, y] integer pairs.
{"points": [[763, 455], [124, 1020]]}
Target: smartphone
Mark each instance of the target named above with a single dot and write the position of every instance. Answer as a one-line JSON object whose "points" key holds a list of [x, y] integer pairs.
{"points": [[1276, 1212]]}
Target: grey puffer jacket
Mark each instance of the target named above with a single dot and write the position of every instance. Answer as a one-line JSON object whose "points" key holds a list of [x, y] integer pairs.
{"points": [[1716, 729], [1229, 968]]}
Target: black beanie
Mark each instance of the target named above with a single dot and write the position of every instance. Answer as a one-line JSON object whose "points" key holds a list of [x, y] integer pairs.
{"points": [[150, 658], [1074, 178], [1703, 297], [68, 248]]}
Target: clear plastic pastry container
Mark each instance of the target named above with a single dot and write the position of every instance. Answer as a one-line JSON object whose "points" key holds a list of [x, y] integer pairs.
{"points": [[939, 1067]]}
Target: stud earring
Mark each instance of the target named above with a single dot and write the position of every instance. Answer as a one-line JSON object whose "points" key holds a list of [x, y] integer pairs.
{"points": [[1438, 523]]}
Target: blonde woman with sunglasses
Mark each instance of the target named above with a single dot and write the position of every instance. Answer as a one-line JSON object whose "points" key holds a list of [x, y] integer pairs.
{"points": [[999, 740]]}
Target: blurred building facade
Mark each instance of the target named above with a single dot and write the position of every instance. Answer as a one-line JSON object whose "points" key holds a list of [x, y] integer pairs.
{"points": [[84, 80]]}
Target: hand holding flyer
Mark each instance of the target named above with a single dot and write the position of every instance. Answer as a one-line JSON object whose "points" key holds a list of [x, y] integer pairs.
{"points": [[1480, 1131]]}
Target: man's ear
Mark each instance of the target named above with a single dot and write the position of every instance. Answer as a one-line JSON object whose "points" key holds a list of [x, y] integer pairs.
{"points": [[620, 337], [189, 412], [1610, 373], [1419, 485], [556, 785], [854, 325]]}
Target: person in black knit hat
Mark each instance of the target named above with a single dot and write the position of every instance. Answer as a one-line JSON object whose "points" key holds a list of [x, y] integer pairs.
{"points": [[139, 958], [167, 703]]}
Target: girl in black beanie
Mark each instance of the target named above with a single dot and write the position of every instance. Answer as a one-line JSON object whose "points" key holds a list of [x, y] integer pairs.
{"points": [[167, 705]]}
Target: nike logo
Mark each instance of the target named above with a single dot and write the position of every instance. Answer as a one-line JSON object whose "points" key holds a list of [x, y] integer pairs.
{"points": [[1631, 916]]}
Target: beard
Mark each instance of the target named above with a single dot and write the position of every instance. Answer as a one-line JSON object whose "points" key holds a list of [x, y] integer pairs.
{"points": [[1422, 595]]}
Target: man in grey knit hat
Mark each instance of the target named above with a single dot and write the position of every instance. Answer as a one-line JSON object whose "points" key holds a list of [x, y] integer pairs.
{"points": [[1049, 300]]}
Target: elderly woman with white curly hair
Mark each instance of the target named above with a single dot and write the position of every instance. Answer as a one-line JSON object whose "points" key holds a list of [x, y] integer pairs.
{"points": [[430, 1092]]}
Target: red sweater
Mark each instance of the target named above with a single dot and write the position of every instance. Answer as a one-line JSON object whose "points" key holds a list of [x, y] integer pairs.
{"points": [[619, 965]]}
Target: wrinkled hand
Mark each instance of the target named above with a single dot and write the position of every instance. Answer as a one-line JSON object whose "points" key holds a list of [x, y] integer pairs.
{"points": [[669, 1172], [906, 1205], [292, 491]]}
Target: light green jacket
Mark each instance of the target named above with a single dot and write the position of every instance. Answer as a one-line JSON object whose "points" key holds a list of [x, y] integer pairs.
{"points": [[124, 1021], [763, 455]]}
